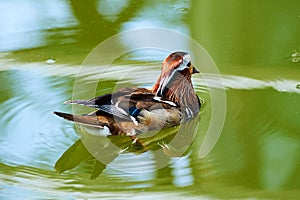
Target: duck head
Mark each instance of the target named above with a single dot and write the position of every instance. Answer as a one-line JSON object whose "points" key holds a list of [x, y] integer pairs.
{"points": [[174, 82], [175, 68]]}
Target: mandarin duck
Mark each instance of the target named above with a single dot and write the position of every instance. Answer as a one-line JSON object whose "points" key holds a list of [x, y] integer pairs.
{"points": [[130, 111]]}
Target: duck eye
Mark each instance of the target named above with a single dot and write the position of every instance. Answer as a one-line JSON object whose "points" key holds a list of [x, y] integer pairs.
{"points": [[189, 64]]}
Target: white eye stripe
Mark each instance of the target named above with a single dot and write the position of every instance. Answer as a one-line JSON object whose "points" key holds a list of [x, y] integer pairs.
{"points": [[185, 62], [186, 59]]}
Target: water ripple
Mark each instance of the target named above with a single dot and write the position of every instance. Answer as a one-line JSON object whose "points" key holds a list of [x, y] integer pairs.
{"points": [[136, 74]]}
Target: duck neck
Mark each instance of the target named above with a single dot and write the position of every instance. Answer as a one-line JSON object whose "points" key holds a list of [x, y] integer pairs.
{"points": [[181, 92]]}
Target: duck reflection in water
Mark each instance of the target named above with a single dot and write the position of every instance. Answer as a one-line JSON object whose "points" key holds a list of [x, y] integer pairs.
{"points": [[161, 118]]}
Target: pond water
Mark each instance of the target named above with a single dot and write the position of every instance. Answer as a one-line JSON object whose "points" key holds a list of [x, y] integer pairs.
{"points": [[257, 154]]}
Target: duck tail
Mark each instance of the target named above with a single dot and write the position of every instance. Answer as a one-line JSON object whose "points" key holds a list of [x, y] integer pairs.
{"points": [[84, 120]]}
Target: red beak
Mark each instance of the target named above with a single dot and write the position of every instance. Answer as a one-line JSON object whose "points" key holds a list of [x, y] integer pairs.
{"points": [[195, 71]]}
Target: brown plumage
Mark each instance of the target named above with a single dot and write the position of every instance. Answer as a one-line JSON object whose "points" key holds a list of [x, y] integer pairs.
{"points": [[130, 111]]}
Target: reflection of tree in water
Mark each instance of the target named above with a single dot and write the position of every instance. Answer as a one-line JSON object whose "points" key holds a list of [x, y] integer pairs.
{"points": [[95, 27], [164, 144], [72, 43]]}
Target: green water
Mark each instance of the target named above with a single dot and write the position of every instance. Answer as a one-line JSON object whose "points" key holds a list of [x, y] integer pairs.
{"points": [[255, 46]]}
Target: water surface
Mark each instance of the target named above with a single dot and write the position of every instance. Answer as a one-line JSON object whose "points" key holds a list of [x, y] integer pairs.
{"points": [[257, 154]]}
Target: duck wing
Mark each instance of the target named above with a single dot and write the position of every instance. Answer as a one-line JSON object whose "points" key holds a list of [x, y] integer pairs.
{"points": [[129, 110], [125, 103]]}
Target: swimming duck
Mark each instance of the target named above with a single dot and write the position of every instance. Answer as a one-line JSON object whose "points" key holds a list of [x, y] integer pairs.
{"points": [[130, 111]]}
